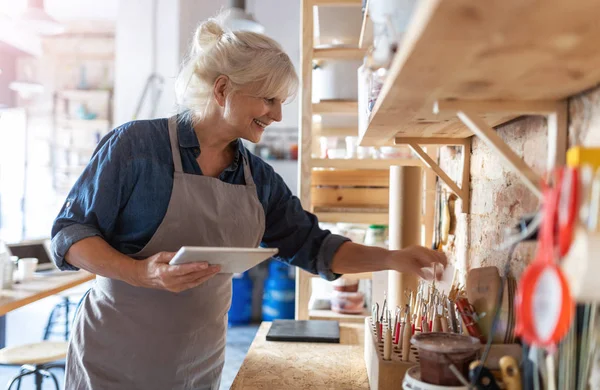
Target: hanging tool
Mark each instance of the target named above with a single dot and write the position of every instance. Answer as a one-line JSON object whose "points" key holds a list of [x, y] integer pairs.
{"points": [[543, 287]]}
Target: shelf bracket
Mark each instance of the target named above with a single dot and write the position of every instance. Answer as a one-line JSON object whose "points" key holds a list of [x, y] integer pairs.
{"points": [[469, 112], [463, 191]]}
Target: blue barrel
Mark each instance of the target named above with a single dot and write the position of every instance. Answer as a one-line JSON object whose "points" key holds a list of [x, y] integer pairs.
{"points": [[279, 296], [240, 312]]}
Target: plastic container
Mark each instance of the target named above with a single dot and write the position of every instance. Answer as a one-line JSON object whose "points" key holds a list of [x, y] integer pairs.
{"points": [[240, 312], [438, 350], [412, 381], [375, 236], [351, 145], [279, 298]]}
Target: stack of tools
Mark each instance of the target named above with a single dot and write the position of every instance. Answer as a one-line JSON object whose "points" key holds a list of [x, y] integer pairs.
{"points": [[388, 351], [464, 315]]}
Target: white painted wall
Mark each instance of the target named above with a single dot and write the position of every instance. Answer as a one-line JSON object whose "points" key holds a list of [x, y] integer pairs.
{"points": [[133, 57], [281, 19]]}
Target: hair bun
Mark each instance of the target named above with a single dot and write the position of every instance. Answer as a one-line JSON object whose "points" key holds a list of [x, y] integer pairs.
{"points": [[207, 35]]}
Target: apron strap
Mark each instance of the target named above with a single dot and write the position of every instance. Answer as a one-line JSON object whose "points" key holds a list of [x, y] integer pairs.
{"points": [[175, 144], [247, 173]]}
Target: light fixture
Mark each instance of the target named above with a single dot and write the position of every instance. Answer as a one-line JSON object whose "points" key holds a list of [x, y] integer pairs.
{"points": [[35, 19], [237, 19]]}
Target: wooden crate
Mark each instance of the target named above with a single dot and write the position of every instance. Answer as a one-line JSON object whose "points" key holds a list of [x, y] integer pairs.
{"points": [[385, 375], [350, 189]]}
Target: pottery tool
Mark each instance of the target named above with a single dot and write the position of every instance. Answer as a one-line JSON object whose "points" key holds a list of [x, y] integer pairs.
{"points": [[483, 285], [387, 343], [468, 316], [406, 335]]}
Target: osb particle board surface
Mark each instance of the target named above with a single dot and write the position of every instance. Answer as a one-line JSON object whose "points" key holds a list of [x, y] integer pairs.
{"points": [[286, 365]]}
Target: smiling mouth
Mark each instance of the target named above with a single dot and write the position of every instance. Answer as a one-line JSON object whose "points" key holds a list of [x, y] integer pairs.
{"points": [[261, 124]]}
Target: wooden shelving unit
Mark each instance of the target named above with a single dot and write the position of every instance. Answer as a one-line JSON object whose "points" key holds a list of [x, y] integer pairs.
{"points": [[73, 139], [331, 315], [327, 186], [362, 163], [336, 190], [464, 67]]}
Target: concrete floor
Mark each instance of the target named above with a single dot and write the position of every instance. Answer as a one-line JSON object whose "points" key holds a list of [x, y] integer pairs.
{"points": [[26, 325]]}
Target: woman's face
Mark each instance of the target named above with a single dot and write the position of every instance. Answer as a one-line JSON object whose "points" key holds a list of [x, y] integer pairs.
{"points": [[249, 115]]}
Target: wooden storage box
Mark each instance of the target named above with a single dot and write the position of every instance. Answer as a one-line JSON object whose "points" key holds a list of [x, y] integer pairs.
{"points": [[384, 375], [350, 189]]}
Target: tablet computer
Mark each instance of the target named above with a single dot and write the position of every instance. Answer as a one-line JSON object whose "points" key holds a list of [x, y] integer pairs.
{"points": [[231, 260]]}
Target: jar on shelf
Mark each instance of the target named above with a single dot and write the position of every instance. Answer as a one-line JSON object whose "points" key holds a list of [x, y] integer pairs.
{"points": [[376, 235]]}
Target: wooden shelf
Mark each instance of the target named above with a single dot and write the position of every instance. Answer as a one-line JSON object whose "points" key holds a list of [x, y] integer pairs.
{"points": [[339, 107], [330, 3], [362, 163], [370, 218], [338, 53], [335, 131], [496, 50], [331, 315]]}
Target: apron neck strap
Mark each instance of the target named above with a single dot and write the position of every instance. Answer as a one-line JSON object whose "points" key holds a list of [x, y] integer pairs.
{"points": [[175, 144], [177, 155], [247, 173]]}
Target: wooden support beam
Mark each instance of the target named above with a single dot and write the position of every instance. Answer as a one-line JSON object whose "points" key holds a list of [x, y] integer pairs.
{"points": [[557, 136], [428, 161], [494, 142], [366, 33], [465, 184], [431, 141], [303, 279], [526, 107]]}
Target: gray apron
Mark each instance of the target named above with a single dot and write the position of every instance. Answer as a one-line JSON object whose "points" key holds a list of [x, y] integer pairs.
{"points": [[127, 337]]}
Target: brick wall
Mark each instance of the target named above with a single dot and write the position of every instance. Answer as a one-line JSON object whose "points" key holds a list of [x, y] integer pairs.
{"points": [[498, 197]]}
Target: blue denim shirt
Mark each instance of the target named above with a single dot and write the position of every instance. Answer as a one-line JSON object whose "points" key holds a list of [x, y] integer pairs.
{"points": [[123, 194]]}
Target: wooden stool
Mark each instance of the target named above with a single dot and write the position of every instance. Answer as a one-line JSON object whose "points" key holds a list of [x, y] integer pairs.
{"points": [[35, 359]]}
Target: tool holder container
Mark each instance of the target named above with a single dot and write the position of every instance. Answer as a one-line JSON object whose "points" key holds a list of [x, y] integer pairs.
{"points": [[385, 374]]}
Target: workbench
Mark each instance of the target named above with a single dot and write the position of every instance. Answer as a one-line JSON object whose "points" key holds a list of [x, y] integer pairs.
{"points": [[33, 290], [290, 365]]}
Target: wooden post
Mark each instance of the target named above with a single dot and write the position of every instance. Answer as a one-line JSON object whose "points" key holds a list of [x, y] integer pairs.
{"points": [[303, 278], [405, 225]]}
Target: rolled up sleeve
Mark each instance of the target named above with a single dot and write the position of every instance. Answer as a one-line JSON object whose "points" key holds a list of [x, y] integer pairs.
{"points": [[92, 206], [297, 234]]}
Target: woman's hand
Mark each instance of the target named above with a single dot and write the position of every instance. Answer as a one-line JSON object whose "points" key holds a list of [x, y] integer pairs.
{"points": [[418, 260], [155, 272]]}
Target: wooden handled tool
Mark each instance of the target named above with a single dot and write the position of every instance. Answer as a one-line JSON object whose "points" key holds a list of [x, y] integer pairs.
{"points": [[406, 335], [387, 344], [510, 373]]}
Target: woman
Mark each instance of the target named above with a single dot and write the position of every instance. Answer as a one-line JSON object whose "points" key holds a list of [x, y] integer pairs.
{"points": [[154, 186]]}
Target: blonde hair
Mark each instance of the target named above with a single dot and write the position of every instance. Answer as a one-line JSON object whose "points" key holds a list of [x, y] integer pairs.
{"points": [[246, 58]]}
